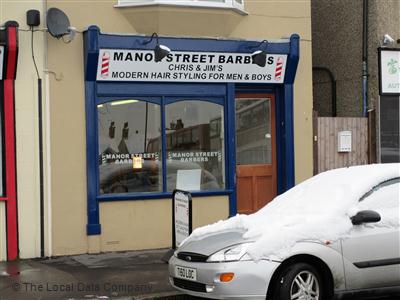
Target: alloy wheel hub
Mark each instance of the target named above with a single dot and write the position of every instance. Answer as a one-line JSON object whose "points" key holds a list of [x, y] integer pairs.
{"points": [[305, 286]]}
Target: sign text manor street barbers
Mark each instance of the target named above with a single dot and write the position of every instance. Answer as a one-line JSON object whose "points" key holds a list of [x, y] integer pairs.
{"points": [[139, 65]]}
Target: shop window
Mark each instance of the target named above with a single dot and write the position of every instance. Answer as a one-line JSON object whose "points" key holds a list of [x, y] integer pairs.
{"points": [[234, 4], [253, 131], [127, 163], [389, 129], [195, 158], [130, 140]]}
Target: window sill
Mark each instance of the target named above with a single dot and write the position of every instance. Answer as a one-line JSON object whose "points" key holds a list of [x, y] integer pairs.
{"points": [[150, 196], [167, 18], [187, 4]]}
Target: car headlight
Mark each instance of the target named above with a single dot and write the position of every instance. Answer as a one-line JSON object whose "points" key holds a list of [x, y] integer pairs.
{"points": [[231, 253]]}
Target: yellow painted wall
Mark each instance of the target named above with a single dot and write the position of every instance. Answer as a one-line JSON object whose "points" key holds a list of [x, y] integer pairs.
{"points": [[137, 225], [303, 105], [68, 146], [266, 19], [208, 210], [26, 125]]}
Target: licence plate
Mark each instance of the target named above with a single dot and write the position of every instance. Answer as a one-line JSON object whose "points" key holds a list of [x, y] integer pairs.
{"points": [[185, 273]]}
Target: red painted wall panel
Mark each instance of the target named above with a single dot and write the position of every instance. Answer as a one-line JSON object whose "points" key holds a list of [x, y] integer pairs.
{"points": [[9, 143]]}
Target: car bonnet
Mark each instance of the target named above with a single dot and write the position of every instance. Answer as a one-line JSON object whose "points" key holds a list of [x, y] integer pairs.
{"points": [[210, 244]]}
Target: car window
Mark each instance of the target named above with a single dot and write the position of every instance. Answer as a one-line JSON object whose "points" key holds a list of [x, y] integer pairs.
{"points": [[384, 199], [379, 186]]}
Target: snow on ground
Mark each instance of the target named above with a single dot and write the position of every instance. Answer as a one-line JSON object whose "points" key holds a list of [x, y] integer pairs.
{"points": [[317, 209]]}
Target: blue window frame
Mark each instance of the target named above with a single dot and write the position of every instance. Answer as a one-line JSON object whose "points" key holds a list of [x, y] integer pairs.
{"points": [[161, 93], [159, 168]]}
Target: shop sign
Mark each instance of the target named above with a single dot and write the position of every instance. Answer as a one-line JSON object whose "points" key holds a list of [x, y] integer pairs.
{"points": [[1, 61], [179, 66], [194, 156], [128, 158], [182, 216], [389, 72]]}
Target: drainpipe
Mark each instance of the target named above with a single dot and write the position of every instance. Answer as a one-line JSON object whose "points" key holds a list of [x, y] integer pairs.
{"points": [[40, 136], [365, 58], [333, 88], [47, 157]]}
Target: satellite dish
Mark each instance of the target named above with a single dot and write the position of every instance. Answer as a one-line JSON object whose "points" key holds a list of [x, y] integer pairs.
{"points": [[57, 23]]}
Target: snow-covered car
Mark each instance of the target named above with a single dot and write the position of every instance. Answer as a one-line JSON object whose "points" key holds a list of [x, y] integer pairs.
{"points": [[335, 234]]}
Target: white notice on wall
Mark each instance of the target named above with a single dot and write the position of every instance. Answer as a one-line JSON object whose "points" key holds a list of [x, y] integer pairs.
{"points": [[188, 180], [344, 141]]}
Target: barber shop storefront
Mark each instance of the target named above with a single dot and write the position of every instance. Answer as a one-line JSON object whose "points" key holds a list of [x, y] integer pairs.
{"points": [[211, 116], [101, 123]]}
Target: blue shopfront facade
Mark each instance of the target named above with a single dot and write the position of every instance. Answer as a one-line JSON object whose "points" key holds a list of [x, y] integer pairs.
{"points": [[157, 98]]}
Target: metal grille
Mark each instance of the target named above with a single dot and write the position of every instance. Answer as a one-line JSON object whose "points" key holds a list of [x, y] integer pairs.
{"points": [[192, 257], [190, 285]]}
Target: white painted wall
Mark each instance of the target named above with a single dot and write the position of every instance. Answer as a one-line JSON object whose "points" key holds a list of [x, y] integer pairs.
{"points": [[27, 147], [27, 125], [3, 243]]}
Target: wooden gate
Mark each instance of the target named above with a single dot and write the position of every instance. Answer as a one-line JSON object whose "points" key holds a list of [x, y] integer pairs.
{"points": [[326, 152]]}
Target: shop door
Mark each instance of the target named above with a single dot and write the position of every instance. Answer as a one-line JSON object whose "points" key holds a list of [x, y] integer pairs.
{"points": [[255, 151]]}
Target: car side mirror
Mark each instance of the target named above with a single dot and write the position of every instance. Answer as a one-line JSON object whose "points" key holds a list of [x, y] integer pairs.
{"points": [[365, 216]]}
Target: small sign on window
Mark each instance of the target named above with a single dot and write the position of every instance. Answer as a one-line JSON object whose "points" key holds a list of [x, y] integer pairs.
{"points": [[189, 180], [389, 71]]}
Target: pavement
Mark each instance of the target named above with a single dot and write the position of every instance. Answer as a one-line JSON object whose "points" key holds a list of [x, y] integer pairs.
{"points": [[133, 275]]}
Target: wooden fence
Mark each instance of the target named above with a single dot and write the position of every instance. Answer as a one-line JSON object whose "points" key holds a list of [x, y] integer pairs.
{"points": [[326, 154]]}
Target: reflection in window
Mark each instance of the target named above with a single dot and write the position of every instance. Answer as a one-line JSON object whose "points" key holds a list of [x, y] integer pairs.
{"points": [[195, 156], [124, 130], [253, 131], [390, 137]]}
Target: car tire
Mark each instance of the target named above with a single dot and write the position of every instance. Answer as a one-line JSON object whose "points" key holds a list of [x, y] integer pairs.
{"points": [[299, 281]]}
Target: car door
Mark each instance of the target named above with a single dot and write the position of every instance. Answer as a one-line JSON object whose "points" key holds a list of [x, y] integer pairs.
{"points": [[372, 252]]}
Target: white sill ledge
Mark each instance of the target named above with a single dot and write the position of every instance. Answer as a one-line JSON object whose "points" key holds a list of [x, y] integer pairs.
{"points": [[236, 9]]}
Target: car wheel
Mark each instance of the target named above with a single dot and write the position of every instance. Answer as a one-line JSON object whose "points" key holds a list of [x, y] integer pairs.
{"points": [[299, 281]]}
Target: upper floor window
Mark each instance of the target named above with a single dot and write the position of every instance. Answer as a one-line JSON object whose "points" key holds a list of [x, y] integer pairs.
{"points": [[232, 4]]}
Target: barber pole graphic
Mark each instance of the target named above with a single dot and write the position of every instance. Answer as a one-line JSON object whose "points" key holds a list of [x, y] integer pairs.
{"points": [[278, 70], [105, 64]]}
